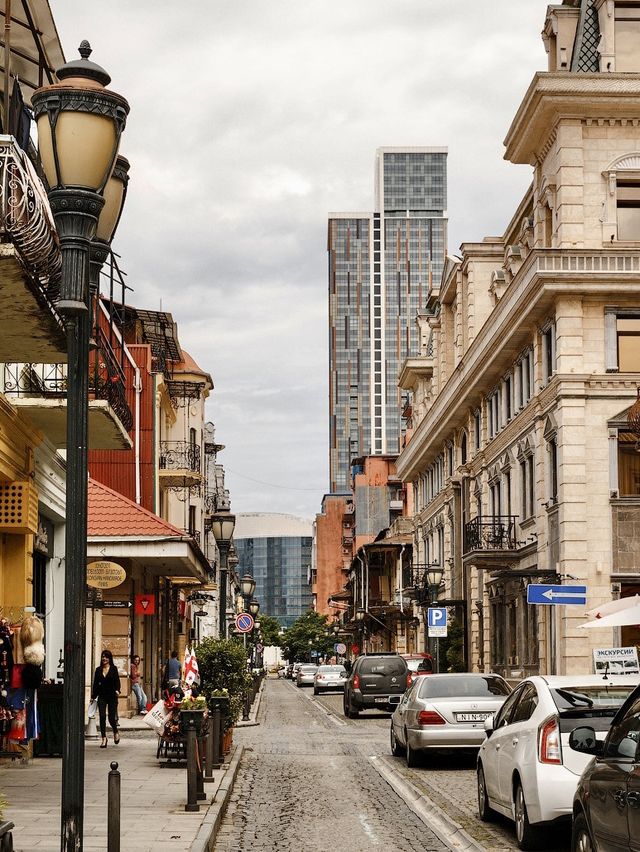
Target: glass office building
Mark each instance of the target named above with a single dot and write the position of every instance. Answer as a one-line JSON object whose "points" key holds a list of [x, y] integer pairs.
{"points": [[276, 550], [381, 267]]}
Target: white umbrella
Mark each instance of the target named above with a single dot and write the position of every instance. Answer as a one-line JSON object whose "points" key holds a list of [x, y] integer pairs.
{"points": [[622, 618], [613, 606]]}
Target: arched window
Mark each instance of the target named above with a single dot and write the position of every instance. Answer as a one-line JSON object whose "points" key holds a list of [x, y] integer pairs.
{"points": [[463, 448]]}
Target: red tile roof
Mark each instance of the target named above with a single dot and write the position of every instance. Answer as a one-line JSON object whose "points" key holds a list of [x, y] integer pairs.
{"points": [[111, 514]]}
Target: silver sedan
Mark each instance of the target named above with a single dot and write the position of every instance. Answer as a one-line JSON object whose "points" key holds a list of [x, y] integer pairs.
{"points": [[445, 711], [329, 677], [306, 674]]}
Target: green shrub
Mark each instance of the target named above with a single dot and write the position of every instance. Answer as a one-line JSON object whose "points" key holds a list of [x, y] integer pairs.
{"points": [[223, 670]]}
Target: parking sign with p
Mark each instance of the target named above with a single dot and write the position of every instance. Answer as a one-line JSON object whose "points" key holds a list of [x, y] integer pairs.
{"points": [[437, 621]]}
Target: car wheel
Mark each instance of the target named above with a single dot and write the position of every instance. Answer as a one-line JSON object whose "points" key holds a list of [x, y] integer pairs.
{"points": [[412, 755], [580, 835], [485, 812], [526, 835], [396, 749]]}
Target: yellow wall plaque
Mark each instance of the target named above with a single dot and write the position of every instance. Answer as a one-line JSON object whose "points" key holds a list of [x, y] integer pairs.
{"points": [[105, 575]]}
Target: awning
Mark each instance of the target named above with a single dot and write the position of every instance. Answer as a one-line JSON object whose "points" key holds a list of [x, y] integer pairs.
{"points": [[36, 51]]}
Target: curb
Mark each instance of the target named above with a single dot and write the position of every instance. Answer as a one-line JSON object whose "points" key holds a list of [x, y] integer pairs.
{"points": [[446, 829], [255, 709], [206, 835]]}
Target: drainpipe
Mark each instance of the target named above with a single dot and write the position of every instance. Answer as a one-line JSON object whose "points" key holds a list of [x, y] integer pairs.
{"points": [[138, 390]]}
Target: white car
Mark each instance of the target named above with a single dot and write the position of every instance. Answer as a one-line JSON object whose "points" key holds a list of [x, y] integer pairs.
{"points": [[526, 770], [329, 677]]}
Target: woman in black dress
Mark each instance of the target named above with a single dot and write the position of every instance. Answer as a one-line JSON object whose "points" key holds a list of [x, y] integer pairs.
{"points": [[106, 688]]}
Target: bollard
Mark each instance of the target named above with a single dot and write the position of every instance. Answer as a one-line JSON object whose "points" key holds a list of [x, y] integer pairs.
{"points": [[200, 795], [113, 809], [210, 754], [245, 706], [192, 769], [216, 739]]}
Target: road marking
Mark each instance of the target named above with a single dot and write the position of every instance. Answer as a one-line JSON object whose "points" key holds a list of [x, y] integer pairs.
{"points": [[368, 830]]}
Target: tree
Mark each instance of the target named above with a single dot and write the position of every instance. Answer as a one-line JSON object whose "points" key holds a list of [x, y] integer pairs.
{"points": [[270, 628], [306, 635], [223, 669]]}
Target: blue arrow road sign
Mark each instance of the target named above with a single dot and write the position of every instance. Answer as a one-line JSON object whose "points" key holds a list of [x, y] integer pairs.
{"points": [[538, 593], [436, 616]]}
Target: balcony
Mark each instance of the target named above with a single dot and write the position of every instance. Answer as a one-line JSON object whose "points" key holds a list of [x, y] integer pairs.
{"points": [[30, 264], [179, 464], [491, 541], [415, 581], [39, 391]]}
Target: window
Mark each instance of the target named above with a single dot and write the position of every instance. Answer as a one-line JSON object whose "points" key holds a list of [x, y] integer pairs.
{"points": [[548, 353], [450, 459], [623, 738], [527, 704], [503, 716], [628, 465], [628, 209], [495, 498], [493, 412], [477, 423], [553, 470], [627, 36], [527, 486], [192, 520], [463, 448], [508, 398], [628, 338]]}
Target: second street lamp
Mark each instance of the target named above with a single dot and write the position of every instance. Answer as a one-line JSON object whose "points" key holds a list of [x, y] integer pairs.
{"points": [[222, 526], [79, 127]]}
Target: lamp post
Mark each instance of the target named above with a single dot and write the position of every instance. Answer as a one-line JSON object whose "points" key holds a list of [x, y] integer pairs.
{"points": [[80, 123], [434, 578], [222, 526], [360, 614]]}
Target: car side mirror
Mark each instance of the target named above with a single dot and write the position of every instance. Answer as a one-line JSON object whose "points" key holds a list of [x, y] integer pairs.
{"points": [[488, 725], [583, 739]]}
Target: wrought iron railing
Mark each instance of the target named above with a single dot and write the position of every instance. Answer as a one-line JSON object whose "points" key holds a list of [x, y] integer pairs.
{"points": [[25, 217], [415, 580], [179, 455], [494, 532], [195, 534], [107, 380], [211, 502]]}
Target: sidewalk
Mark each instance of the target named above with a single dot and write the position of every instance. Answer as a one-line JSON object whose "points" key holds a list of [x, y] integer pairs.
{"points": [[153, 818]]}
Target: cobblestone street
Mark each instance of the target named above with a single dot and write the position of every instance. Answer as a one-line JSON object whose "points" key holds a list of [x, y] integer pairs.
{"points": [[306, 777]]}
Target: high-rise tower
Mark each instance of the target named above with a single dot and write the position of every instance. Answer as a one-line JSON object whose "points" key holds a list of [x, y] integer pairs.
{"points": [[381, 265]]}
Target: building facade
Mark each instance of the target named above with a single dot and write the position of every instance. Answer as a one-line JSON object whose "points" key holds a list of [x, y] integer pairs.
{"points": [[521, 457], [380, 267], [276, 550]]}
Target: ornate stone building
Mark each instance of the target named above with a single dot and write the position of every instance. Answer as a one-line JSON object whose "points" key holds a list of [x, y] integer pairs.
{"points": [[522, 463]]}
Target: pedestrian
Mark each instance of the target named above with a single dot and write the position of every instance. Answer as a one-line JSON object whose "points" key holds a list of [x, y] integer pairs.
{"points": [[106, 689], [136, 684], [172, 671]]}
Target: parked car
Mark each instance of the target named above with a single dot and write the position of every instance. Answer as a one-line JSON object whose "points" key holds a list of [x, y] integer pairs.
{"points": [[294, 670], [376, 682], [445, 711], [306, 674], [606, 806], [526, 770], [329, 677], [419, 664]]}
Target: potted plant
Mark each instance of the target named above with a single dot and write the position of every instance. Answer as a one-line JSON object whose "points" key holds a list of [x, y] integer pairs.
{"points": [[192, 710], [223, 675]]}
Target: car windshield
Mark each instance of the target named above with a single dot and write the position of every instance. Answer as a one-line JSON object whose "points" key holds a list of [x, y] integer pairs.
{"points": [[383, 665], [471, 686], [587, 697]]}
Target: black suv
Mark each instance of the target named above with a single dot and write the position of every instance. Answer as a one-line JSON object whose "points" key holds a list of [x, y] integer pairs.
{"points": [[376, 682]]}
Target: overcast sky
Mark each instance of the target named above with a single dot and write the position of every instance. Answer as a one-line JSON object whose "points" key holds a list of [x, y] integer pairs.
{"points": [[250, 121]]}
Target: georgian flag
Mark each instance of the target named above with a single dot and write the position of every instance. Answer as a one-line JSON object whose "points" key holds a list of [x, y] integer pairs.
{"points": [[191, 672]]}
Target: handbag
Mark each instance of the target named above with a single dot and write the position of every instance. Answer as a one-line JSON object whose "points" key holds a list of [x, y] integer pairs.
{"points": [[92, 709]]}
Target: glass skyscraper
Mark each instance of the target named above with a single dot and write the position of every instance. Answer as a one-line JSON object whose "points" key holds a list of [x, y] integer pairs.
{"points": [[381, 266], [276, 550]]}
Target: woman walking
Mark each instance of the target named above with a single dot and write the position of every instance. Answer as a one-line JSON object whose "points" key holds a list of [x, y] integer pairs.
{"points": [[106, 688]]}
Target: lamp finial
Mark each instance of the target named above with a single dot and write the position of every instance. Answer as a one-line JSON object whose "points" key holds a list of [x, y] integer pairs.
{"points": [[85, 49]]}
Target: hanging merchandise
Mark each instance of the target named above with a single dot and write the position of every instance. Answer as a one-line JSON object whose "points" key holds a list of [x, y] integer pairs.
{"points": [[6, 656]]}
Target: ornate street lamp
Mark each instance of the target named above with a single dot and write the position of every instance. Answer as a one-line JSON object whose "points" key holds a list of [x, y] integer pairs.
{"points": [[434, 578], [360, 615], [254, 607], [79, 123], [222, 526], [247, 586]]}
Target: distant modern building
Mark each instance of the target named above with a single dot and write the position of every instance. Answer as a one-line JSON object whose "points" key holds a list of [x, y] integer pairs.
{"points": [[380, 268], [276, 550]]}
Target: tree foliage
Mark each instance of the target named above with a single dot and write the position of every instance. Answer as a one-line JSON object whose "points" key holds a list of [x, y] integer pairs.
{"points": [[223, 667], [307, 634], [270, 628]]}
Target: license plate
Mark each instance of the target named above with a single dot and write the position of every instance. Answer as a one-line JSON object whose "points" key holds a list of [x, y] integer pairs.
{"points": [[472, 717], [382, 700]]}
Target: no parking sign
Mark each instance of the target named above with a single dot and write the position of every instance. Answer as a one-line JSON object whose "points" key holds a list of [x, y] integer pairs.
{"points": [[244, 622]]}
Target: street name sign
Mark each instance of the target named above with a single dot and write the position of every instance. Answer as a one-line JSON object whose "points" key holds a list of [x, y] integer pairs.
{"points": [[112, 604], [244, 622], [539, 593], [437, 621]]}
